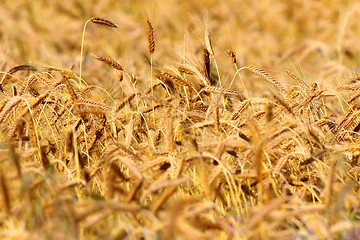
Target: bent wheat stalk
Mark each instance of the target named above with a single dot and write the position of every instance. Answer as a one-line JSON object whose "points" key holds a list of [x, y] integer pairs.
{"points": [[96, 20]]}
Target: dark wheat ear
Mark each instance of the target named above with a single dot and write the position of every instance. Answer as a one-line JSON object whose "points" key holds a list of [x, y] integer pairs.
{"points": [[110, 62], [21, 67], [15, 69], [150, 36], [207, 66], [103, 22], [176, 78]]}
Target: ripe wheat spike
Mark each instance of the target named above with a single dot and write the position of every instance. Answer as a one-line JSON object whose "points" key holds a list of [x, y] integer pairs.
{"points": [[103, 22], [110, 62], [176, 78], [223, 91], [22, 67], [150, 36], [268, 78], [206, 59], [92, 104]]}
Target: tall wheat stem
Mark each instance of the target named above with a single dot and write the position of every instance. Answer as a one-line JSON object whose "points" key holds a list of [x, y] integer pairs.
{"points": [[82, 49]]}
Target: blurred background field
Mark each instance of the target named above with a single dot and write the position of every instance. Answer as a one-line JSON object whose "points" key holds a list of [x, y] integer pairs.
{"points": [[316, 37]]}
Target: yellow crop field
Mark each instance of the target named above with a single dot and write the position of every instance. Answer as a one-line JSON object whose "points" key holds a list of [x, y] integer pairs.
{"points": [[151, 119]]}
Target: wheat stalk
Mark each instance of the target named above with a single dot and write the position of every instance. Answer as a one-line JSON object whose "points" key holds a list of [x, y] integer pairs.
{"points": [[98, 21], [5, 193], [169, 130]]}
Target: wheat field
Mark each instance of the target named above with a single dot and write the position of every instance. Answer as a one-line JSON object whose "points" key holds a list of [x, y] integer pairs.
{"points": [[180, 119]]}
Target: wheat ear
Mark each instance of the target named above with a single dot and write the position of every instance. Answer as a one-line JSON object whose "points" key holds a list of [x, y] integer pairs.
{"points": [[224, 91], [268, 78], [206, 59], [92, 104], [150, 36], [151, 46], [103, 22], [111, 62], [15, 69]]}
